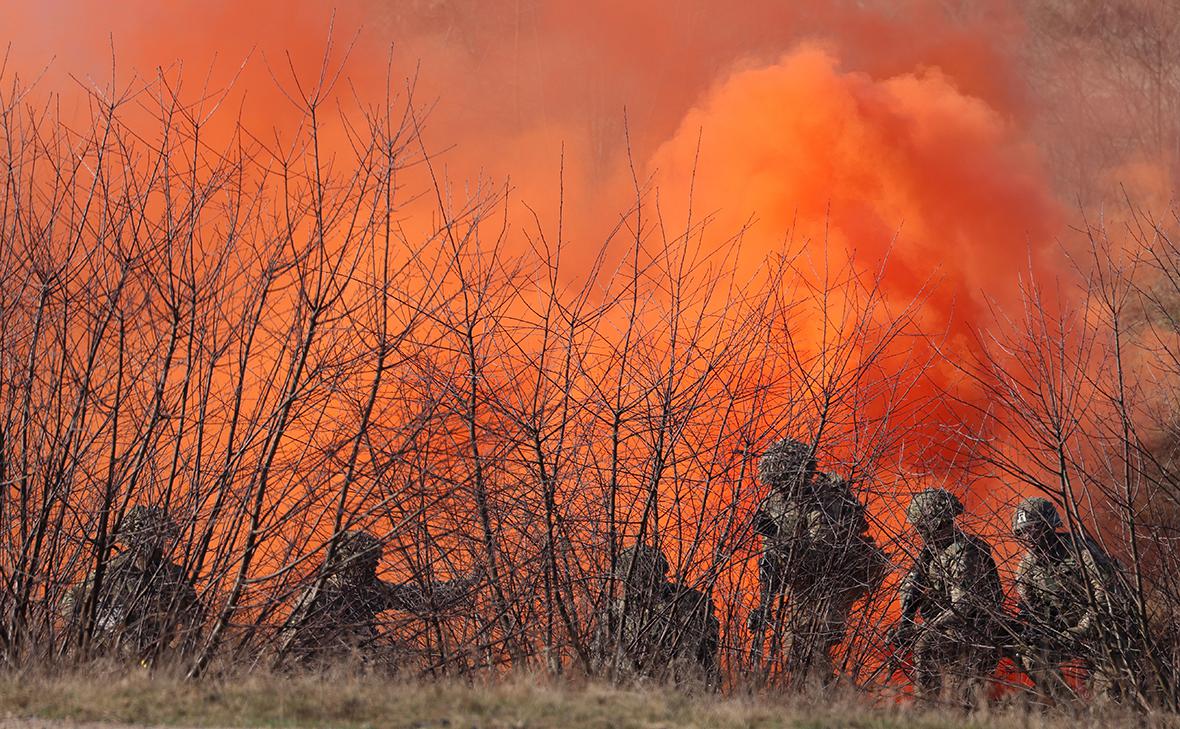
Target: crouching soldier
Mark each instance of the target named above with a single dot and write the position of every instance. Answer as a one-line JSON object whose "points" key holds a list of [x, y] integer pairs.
{"points": [[140, 603], [335, 620], [1072, 606], [657, 629], [950, 601], [817, 559]]}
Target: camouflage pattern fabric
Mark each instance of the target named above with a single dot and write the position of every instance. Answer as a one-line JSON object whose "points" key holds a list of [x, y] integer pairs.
{"points": [[1073, 607], [338, 621], [816, 556], [145, 604], [658, 629], [820, 533], [955, 589]]}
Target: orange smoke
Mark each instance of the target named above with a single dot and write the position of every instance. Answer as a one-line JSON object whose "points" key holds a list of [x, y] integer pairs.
{"points": [[898, 136], [908, 167]]}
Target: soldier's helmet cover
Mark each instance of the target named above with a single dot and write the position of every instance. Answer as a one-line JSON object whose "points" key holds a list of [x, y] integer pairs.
{"points": [[146, 527], [642, 562], [1035, 512], [785, 461], [933, 507], [358, 548]]}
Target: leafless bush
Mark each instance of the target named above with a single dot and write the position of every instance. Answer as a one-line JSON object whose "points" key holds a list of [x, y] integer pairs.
{"points": [[279, 343], [246, 332]]}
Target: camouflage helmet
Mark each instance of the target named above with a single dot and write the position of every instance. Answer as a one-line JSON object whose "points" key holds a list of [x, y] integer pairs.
{"points": [[357, 547], [146, 526], [933, 506], [642, 559], [1033, 512], [784, 461]]}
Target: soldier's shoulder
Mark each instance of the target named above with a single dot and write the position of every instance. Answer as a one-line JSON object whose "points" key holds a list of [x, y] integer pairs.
{"points": [[970, 546], [1090, 551], [1082, 542], [680, 591], [116, 568], [835, 502], [694, 606], [614, 610], [774, 503], [686, 598], [119, 563], [332, 586], [1029, 563]]}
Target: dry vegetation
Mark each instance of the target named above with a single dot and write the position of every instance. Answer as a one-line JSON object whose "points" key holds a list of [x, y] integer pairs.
{"points": [[281, 344], [537, 702]]}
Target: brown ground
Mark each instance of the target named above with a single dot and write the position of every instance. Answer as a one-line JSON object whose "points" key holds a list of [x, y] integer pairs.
{"points": [[50, 723], [116, 699]]}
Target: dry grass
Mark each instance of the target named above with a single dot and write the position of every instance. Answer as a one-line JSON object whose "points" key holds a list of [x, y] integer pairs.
{"points": [[304, 701]]}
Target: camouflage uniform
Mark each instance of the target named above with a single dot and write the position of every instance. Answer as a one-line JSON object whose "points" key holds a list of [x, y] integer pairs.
{"points": [[954, 588], [145, 603], [658, 629], [1072, 605], [338, 621], [815, 553]]}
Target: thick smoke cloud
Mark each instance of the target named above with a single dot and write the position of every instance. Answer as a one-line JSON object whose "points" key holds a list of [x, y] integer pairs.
{"points": [[892, 129]]}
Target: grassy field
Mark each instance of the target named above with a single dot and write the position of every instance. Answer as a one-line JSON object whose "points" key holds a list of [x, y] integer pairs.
{"points": [[276, 701]]}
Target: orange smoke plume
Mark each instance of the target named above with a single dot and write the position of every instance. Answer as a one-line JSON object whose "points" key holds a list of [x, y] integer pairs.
{"points": [[897, 137], [907, 168], [893, 144]]}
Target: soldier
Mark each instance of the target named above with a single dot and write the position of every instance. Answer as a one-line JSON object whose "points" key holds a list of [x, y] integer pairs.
{"points": [[816, 554], [658, 629], [338, 620], [954, 588], [1072, 605], [144, 603]]}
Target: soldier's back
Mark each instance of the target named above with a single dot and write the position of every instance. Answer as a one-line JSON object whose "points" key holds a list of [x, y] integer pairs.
{"points": [[693, 615], [843, 513], [673, 633], [136, 607], [336, 619]]}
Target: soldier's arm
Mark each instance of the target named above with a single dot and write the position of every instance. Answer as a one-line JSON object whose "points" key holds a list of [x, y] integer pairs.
{"points": [[858, 518], [605, 632], [912, 592], [191, 615], [911, 595], [764, 520], [1023, 589], [1023, 624], [295, 626], [69, 603], [72, 603], [967, 573], [439, 596], [301, 609], [820, 528], [1101, 600]]}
